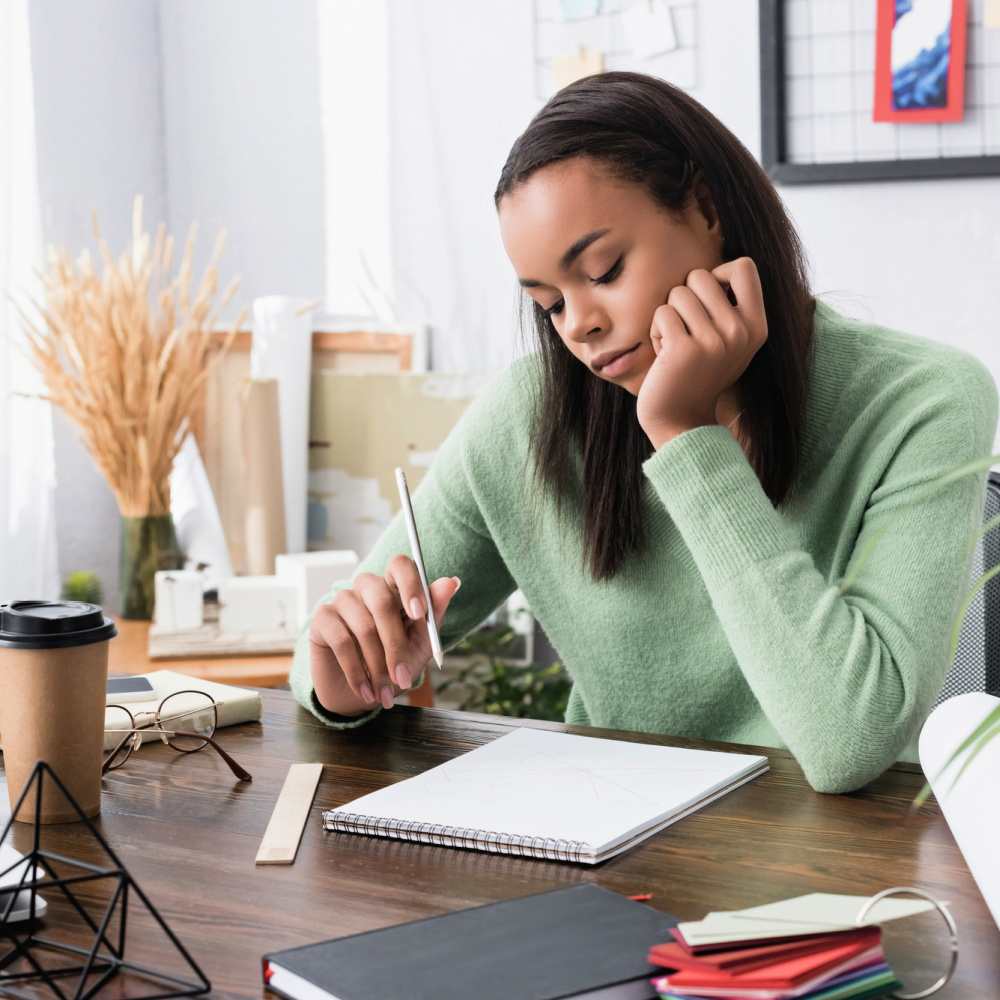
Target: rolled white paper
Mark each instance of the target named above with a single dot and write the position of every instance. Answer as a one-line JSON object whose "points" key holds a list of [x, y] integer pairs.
{"points": [[972, 804], [281, 348]]}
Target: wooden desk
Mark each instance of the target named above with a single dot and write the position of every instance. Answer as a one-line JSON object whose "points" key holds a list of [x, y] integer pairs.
{"points": [[188, 833]]}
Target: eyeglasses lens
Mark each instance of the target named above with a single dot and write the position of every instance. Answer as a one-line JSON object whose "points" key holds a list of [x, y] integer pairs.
{"points": [[188, 712], [118, 720]]}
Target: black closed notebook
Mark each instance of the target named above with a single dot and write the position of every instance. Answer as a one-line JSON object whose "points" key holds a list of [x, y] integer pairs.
{"points": [[581, 941]]}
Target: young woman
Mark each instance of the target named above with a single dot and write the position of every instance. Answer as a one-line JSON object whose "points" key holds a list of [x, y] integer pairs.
{"points": [[682, 475]]}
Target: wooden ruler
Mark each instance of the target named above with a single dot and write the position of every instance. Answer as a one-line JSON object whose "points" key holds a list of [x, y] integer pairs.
{"points": [[284, 831]]}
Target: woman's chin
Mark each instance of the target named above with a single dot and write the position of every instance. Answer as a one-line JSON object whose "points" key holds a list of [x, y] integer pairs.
{"points": [[632, 382]]}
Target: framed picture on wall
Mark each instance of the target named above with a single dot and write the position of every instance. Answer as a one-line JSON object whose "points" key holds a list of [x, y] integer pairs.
{"points": [[862, 90], [920, 61]]}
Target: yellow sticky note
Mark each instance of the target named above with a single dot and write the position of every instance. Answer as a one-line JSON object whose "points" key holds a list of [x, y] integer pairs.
{"points": [[991, 17], [577, 65]]}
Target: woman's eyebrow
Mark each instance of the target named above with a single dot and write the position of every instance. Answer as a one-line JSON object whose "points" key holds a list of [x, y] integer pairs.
{"points": [[579, 246], [569, 256]]}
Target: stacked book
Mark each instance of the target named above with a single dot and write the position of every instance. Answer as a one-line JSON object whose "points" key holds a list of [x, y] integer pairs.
{"points": [[828, 966], [808, 948]]}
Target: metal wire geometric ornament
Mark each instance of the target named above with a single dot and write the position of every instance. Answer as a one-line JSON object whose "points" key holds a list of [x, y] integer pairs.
{"points": [[37, 962]]}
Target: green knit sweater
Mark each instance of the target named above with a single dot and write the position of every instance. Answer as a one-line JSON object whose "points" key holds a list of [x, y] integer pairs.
{"points": [[729, 624]]}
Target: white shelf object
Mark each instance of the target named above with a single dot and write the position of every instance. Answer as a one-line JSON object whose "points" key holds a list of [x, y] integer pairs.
{"points": [[178, 599], [210, 641], [313, 574], [257, 604]]}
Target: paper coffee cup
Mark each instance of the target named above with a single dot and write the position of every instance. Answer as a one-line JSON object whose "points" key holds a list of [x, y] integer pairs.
{"points": [[53, 689]]}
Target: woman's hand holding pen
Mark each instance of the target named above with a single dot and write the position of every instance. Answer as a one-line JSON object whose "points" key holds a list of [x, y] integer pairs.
{"points": [[371, 641], [704, 339]]}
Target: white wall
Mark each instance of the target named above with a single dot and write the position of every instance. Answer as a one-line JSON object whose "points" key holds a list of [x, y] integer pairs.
{"points": [[243, 144], [211, 111], [99, 136], [354, 109], [462, 91]]}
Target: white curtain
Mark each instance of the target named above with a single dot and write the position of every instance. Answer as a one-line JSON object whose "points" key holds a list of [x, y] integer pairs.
{"points": [[28, 565]]}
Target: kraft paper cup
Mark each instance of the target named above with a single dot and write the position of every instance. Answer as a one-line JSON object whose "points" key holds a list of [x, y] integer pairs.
{"points": [[53, 683]]}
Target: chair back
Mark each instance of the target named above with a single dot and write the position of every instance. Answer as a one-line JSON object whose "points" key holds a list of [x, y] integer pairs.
{"points": [[977, 659]]}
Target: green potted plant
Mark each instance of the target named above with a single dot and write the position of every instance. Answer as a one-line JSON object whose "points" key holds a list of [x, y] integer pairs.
{"points": [[496, 686]]}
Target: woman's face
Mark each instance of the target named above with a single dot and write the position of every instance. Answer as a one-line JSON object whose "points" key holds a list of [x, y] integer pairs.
{"points": [[599, 255]]}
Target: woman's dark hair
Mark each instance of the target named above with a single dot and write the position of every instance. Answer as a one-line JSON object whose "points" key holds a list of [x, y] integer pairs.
{"points": [[646, 131]]}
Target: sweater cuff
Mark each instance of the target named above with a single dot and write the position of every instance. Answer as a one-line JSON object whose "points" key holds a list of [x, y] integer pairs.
{"points": [[340, 721], [716, 501]]}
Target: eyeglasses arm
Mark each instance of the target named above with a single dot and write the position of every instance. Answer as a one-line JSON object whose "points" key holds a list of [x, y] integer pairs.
{"points": [[240, 772], [105, 767]]}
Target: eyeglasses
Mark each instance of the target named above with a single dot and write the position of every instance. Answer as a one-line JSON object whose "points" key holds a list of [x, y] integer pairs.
{"points": [[192, 717]]}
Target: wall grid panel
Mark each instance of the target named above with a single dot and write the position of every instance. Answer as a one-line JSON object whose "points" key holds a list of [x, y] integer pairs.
{"points": [[817, 96]]}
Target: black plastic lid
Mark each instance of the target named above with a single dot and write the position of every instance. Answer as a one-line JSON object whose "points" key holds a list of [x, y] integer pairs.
{"points": [[53, 624]]}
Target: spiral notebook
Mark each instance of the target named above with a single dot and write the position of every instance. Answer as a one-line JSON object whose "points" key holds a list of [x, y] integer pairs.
{"points": [[551, 795]]}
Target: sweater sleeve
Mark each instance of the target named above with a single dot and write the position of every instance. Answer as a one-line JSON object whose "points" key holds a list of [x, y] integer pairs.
{"points": [[845, 678], [448, 507]]}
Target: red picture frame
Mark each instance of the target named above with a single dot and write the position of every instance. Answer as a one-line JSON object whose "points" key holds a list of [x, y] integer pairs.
{"points": [[953, 110]]}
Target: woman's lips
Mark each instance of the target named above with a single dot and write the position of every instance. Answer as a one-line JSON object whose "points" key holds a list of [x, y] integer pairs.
{"points": [[617, 364]]}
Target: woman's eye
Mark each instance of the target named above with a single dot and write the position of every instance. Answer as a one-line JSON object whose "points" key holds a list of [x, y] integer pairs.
{"points": [[616, 269], [553, 310]]}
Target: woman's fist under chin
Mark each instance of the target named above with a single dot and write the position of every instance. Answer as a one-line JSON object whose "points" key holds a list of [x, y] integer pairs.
{"points": [[704, 337]]}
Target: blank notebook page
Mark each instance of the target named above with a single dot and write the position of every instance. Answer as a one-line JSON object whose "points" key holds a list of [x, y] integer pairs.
{"points": [[533, 783]]}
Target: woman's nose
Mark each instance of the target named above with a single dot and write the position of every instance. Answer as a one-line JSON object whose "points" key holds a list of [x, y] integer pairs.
{"points": [[583, 320]]}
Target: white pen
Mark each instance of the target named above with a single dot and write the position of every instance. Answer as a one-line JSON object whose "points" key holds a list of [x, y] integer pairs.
{"points": [[411, 530]]}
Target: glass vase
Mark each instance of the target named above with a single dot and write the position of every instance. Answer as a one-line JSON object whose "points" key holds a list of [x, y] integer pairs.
{"points": [[148, 544]]}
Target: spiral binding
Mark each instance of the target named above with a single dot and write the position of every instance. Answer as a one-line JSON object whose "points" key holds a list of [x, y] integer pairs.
{"points": [[548, 848]]}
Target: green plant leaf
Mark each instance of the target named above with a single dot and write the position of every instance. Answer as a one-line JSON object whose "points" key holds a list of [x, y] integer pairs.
{"points": [[974, 751], [987, 730], [987, 527], [956, 629], [82, 585], [992, 719], [921, 797]]}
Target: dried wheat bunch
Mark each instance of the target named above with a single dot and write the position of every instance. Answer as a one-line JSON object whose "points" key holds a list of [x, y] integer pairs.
{"points": [[126, 355]]}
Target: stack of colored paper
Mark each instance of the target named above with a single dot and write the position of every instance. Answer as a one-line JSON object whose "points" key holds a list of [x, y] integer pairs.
{"points": [[809, 948]]}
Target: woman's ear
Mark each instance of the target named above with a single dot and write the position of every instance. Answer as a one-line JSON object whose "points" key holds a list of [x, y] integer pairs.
{"points": [[706, 215]]}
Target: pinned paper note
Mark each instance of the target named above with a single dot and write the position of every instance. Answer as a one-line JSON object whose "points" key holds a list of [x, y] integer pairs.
{"points": [[991, 16], [649, 28], [577, 65], [574, 10]]}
